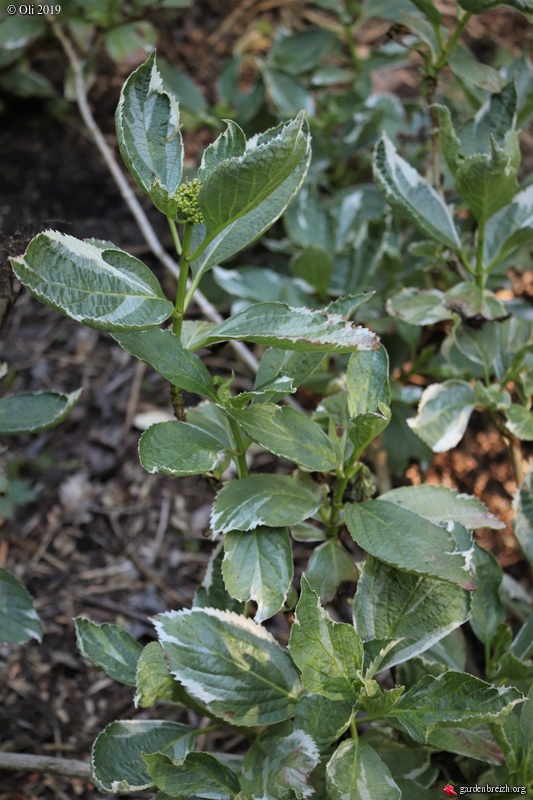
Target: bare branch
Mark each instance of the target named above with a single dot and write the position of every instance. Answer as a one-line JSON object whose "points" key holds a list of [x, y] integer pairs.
{"points": [[23, 762]]}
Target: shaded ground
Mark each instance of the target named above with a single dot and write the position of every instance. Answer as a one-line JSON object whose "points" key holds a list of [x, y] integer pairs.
{"points": [[103, 538]]}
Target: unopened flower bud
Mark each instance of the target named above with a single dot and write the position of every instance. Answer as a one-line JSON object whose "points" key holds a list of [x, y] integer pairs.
{"points": [[187, 199]]}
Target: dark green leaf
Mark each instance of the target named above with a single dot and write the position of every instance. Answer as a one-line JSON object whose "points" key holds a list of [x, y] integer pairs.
{"points": [[302, 51], [287, 94], [109, 647], [260, 284], [328, 654], [364, 428], [407, 541], [212, 592], [31, 412], [314, 265], [487, 608], [390, 604], [18, 619], [257, 219], [523, 521], [258, 566], [329, 566], [401, 760], [479, 346], [296, 366], [463, 64], [241, 184], [479, 6], [163, 351], [307, 222], [182, 87], [288, 433], [198, 773], [495, 118], [323, 719], [487, 182]]}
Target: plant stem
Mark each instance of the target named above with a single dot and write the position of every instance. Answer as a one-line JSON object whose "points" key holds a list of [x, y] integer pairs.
{"points": [[21, 762], [353, 728], [465, 262], [445, 52], [179, 305], [175, 235], [480, 272], [336, 506], [431, 86], [356, 63], [240, 455]]}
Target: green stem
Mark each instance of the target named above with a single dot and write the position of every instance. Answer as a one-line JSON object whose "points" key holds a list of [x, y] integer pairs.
{"points": [[344, 477], [336, 505], [445, 52], [480, 272], [352, 48], [192, 288], [465, 262], [487, 657], [208, 729], [240, 455], [175, 235], [353, 728], [179, 306], [368, 718]]}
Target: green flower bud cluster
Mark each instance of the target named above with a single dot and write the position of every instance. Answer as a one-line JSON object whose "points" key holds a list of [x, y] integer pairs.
{"points": [[187, 200]]}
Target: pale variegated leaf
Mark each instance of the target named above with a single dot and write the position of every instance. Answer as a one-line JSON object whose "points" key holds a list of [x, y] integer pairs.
{"points": [[451, 700], [356, 772], [231, 664], [147, 122], [31, 412], [408, 192], [116, 757], [102, 287]]}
